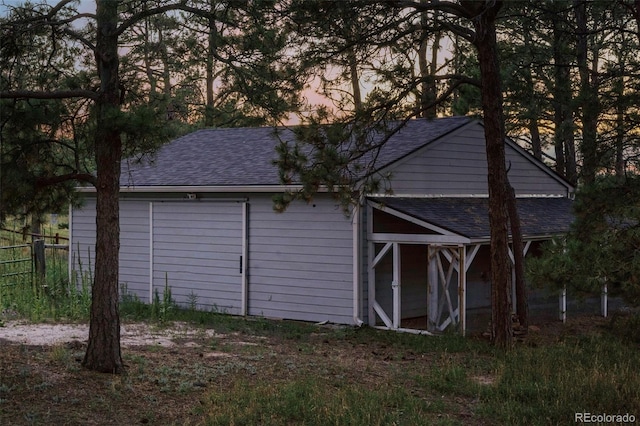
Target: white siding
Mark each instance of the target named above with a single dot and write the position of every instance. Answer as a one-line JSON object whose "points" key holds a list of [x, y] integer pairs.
{"points": [[134, 247], [83, 241], [457, 165], [300, 261], [134, 244], [196, 252]]}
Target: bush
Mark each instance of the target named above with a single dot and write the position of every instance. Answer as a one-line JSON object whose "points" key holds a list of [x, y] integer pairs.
{"points": [[602, 246], [626, 324]]}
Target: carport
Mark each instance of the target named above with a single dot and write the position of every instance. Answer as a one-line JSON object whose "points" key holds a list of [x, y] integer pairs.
{"points": [[429, 261]]}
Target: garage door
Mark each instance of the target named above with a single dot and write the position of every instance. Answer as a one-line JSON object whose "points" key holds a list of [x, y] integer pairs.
{"points": [[197, 252]]}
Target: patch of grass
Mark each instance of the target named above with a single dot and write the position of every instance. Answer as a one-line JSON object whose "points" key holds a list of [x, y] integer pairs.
{"points": [[132, 308], [164, 310], [408, 342], [59, 354], [547, 385], [314, 401], [626, 325], [53, 297]]}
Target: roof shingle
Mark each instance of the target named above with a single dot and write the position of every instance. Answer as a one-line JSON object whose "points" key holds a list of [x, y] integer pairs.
{"points": [[469, 217], [244, 156]]}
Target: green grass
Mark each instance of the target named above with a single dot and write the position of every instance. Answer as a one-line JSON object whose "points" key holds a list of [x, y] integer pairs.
{"points": [[38, 298], [527, 385], [314, 401], [52, 297], [15, 265], [596, 374]]}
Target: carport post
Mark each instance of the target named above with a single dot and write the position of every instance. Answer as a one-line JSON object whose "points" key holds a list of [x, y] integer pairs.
{"points": [[604, 301], [395, 285], [371, 271], [563, 305], [462, 294], [432, 292]]}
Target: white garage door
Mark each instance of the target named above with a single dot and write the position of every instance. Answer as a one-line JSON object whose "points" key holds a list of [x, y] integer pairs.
{"points": [[197, 251]]}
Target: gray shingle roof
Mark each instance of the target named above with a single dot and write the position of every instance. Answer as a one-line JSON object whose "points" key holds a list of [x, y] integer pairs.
{"points": [[469, 217], [243, 156]]}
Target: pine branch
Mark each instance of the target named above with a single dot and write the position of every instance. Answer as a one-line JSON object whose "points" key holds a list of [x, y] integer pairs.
{"points": [[441, 6], [57, 94], [43, 182]]}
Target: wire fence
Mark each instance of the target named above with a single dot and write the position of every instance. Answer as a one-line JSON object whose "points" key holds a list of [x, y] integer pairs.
{"points": [[16, 264], [26, 263]]}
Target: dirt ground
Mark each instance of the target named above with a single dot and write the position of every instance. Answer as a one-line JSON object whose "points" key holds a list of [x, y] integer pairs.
{"points": [[171, 370], [135, 334], [167, 370]]}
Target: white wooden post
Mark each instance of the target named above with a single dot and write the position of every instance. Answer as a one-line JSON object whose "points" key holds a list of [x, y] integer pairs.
{"points": [[371, 272], [462, 295], [445, 280], [604, 301], [563, 305], [356, 259], [374, 307], [432, 293], [395, 285]]}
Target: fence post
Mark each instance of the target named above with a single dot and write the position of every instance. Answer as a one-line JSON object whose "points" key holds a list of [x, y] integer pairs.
{"points": [[39, 258]]}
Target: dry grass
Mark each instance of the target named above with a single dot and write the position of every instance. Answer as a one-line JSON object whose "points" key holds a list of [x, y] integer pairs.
{"points": [[173, 385]]}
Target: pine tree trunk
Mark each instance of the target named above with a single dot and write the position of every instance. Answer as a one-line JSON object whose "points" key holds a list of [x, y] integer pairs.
{"points": [[533, 108], [536, 142], [355, 79], [428, 90], [588, 97], [485, 41], [620, 166], [636, 14], [103, 351], [562, 101], [210, 79], [522, 305]]}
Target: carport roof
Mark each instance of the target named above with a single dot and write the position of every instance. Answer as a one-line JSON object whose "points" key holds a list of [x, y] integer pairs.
{"points": [[469, 217]]}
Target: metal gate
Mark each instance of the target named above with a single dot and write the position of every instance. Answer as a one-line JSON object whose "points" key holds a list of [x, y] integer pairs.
{"points": [[16, 264]]}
